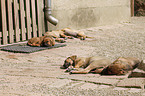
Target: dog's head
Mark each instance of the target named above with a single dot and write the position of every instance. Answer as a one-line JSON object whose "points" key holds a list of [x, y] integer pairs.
{"points": [[48, 42], [69, 62]]}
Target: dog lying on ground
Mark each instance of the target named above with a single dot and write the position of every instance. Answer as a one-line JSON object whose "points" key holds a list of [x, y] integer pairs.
{"points": [[88, 63], [121, 66], [66, 33], [43, 41], [57, 35], [77, 34]]}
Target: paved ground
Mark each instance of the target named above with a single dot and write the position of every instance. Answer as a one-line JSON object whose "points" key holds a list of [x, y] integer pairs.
{"points": [[39, 73]]}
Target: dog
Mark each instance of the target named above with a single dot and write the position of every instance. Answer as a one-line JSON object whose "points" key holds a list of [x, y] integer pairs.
{"points": [[121, 66], [66, 33], [77, 34], [57, 35], [88, 63], [43, 41]]}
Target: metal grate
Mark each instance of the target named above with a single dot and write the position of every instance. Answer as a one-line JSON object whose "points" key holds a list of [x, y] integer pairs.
{"points": [[28, 49]]}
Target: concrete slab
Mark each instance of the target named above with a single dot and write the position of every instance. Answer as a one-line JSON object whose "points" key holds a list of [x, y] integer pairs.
{"points": [[88, 86], [103, 86], [135, 90], [104, 81], [120, 88], [139, 71], [57, 83], [132, 82]]}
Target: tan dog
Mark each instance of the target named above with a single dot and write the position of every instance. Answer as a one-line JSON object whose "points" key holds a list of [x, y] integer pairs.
{"points": [[66, 33], [121, 66], [43, 41], [88, 63], [77, 34], [57, 35]]}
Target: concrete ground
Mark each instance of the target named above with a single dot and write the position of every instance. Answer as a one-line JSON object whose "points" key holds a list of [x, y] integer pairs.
{"points": [[39, 73]]}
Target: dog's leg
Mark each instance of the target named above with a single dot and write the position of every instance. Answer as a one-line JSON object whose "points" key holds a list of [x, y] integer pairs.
{"points": [[59, 40], [97, 71], [83, 71], [29, 43], [79, 64], [79, 72], [66, 37], [37, 45]]}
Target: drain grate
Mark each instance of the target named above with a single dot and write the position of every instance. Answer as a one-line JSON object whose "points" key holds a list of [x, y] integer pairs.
{"points": [[28, 49]]}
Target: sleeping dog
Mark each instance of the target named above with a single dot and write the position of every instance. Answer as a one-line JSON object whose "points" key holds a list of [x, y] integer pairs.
{"points": [[58, 35], [121, 66], [43, 41], [100, 65], [66, 33], [88, 63], [74, 33]]}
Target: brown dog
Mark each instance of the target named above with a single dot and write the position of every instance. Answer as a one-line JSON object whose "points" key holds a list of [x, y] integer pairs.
{"points": [[66, 33], [88, 63], [121, 66], [43, 41]]}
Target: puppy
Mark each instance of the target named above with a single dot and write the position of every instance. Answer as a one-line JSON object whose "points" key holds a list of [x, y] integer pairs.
{"points": [[88, 63], [121, 66], [43, 41]]}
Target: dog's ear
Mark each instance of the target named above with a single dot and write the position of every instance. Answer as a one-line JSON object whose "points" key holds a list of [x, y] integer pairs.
{"points": [[42, 43], [73, 57]]}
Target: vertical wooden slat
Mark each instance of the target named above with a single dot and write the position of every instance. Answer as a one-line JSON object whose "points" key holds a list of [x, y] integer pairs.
{"points": [[10, 22], [34, 18], [16, 21], [132, 7], [39, 18], [4, 25], [28, 19], [22, 17], [42, 17]]}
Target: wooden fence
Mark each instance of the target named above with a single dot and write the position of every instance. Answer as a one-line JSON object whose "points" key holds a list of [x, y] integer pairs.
{"points": [[20, 20]]}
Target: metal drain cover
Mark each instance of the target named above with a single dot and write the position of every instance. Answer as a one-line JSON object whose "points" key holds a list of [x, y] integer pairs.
{"points": [[28, 49]]}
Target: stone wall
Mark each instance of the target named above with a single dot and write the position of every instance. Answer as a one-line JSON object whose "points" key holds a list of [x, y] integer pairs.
{"points": [[78, 14]]}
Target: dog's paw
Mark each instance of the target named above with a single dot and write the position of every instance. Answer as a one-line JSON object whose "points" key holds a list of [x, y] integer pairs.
{"points": [[71, 72], [82, 38], [70, 69], [62, 41], [67, 70]]}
